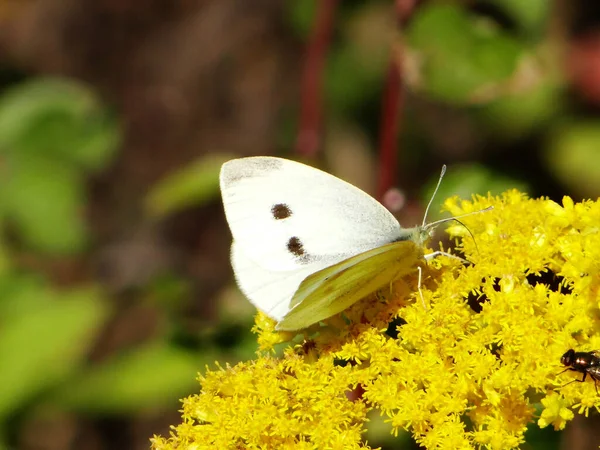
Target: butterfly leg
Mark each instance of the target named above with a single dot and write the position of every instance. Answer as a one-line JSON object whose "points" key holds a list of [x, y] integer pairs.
{"points": [[379, 294], [419, 287]]}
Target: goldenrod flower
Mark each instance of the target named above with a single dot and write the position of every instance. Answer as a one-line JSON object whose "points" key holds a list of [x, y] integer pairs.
{"points": [[467, 372]]}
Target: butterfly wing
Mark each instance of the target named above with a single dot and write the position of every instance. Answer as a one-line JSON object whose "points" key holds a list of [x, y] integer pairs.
{"points": [[284, 214], [268, 290], [335, 288], [289, 221]]}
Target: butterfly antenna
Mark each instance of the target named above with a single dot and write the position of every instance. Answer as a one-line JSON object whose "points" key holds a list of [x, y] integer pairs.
{"points": [[448, 219], [437, 222], [434, 192]]}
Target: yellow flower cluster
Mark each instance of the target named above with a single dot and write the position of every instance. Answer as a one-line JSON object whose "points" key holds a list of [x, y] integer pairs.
{"points": [[467, 372]]}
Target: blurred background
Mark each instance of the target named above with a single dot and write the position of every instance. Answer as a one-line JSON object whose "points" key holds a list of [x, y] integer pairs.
{"points": [[115, 116]]}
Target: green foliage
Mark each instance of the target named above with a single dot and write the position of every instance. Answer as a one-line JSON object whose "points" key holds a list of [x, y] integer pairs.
{"points": [[573, 155], [516, 115], [154, 375], [53, 135], [58, 118], [531, 15], [44, 199], [349, 81], [52, 132], [42, 344], [457, 55], [193, 185]]}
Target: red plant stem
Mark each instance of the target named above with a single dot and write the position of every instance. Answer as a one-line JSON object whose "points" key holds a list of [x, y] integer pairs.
{"points": [[393, 103], [308, 140], [404, 9], [393, 100]]}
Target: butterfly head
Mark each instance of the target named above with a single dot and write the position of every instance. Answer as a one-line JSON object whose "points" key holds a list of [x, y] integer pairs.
{"points": [[421, 235]]}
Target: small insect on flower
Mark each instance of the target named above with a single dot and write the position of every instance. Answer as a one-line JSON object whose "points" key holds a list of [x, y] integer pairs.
{"points": [[587, 363]]}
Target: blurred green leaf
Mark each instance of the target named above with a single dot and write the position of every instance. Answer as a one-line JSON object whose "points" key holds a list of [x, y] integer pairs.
{"points": [[57, 117], [193, 185], [572, 156], [515, 115], [44, 198], [21, 294], [458, 57], [349, 82], [92, 142], [531, 15], [148, 377], [42, 347]]}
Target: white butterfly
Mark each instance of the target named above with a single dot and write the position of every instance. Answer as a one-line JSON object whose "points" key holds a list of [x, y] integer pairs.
{"points": [[307, 245]]}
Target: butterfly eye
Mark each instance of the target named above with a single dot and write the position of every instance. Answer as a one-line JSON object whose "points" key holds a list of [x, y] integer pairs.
{"points": [[281, 211], [295, 246]]}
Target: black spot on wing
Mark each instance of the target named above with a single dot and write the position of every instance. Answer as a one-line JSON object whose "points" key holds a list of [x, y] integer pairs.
{"points": [[281, 211], [295, 246]]}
